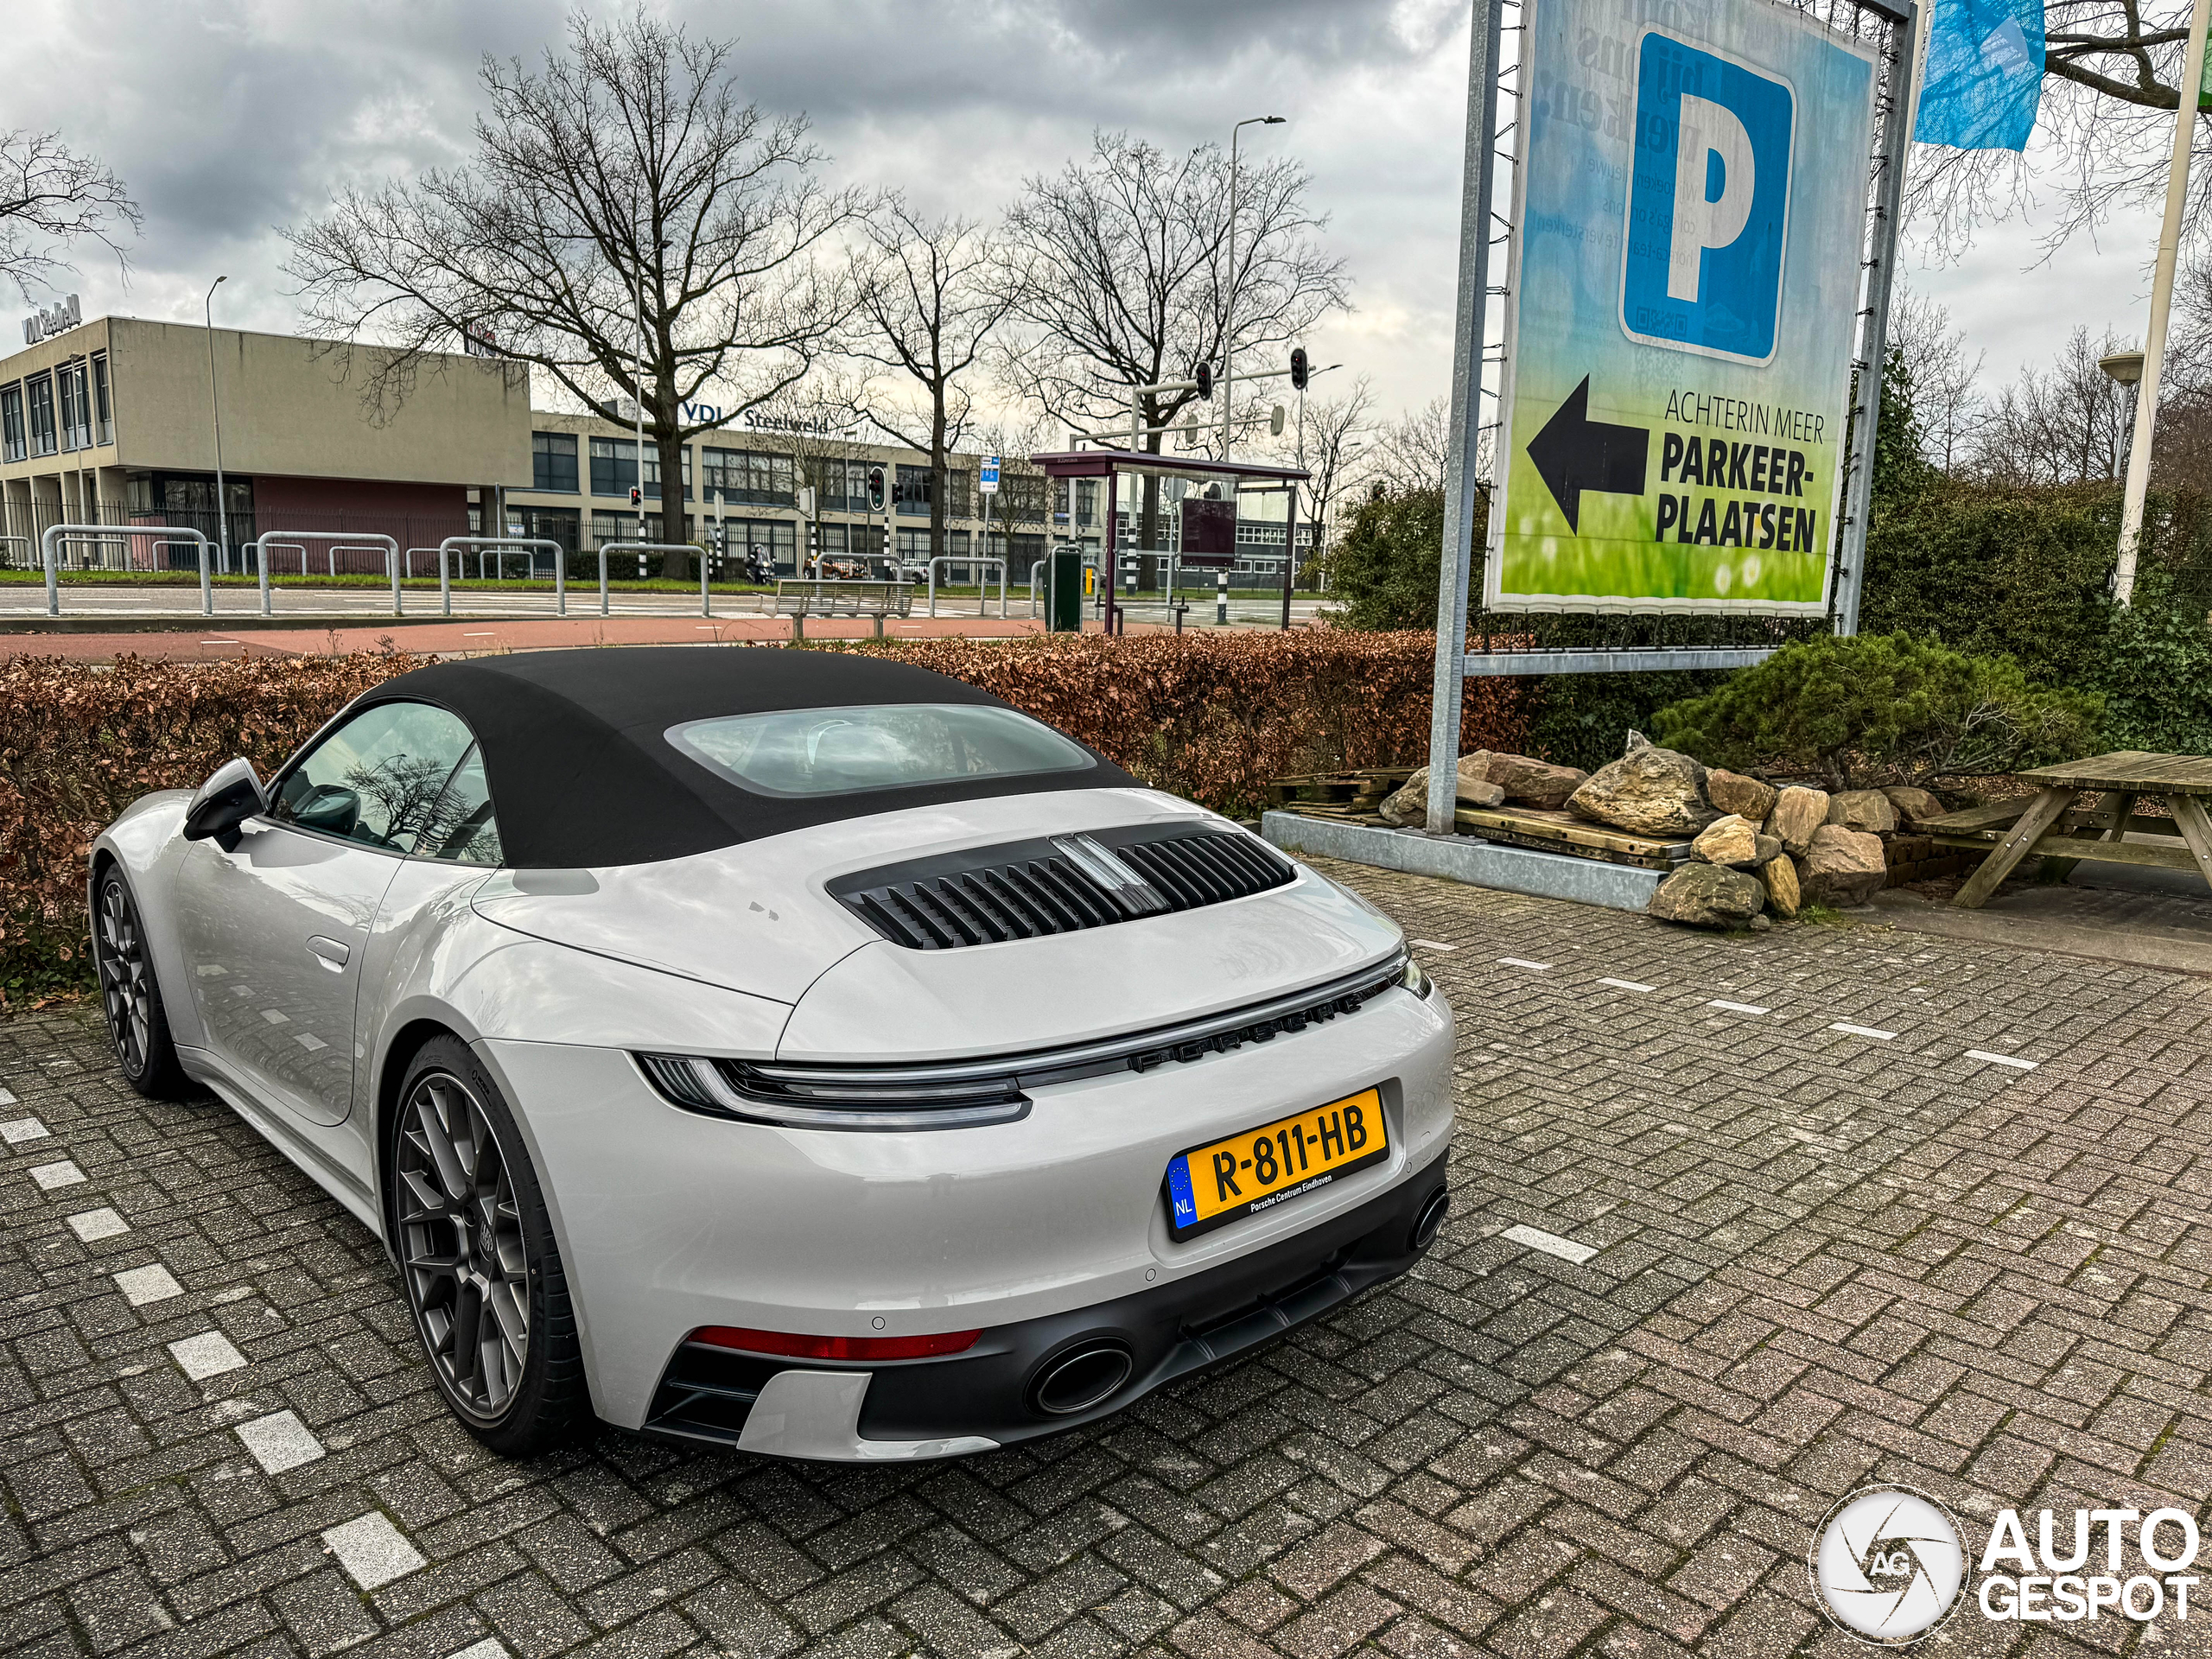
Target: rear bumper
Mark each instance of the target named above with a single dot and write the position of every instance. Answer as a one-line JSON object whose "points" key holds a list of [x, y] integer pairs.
{"points": [[669, 1221], [987, 1397]]}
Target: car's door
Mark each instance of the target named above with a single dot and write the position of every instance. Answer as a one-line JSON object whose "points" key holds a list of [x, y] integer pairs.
{"points": [[275, 929]]}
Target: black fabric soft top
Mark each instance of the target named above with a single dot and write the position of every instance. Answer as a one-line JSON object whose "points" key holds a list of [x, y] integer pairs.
{"points": [[581, 772]]}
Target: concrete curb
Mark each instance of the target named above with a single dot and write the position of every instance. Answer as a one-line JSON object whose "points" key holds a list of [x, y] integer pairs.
{"points": [[1463, 858]]}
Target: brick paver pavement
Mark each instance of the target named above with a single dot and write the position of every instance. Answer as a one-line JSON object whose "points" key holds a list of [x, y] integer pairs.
{"points": [[1757, 1261]]}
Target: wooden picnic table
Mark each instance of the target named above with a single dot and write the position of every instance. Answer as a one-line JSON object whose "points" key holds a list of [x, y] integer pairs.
{"points": [[2048, 824]]}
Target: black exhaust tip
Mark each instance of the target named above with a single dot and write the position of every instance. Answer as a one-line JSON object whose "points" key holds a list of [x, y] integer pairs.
{"points": [[1430, 1221], [1085, 1377]]}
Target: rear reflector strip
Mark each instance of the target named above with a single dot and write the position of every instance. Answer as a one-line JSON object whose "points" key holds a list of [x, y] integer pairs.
{"points": [[799, 1347]]}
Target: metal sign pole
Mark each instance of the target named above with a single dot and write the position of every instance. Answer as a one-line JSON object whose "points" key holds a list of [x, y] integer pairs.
{"points": [[1881, 268], [1452, 588]]}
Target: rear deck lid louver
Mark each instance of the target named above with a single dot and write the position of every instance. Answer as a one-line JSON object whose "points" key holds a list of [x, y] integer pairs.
{"points": [[1060, 884]]}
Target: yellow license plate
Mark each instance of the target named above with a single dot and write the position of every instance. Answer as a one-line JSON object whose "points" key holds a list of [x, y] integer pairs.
{"points": [[1222, 1181]]}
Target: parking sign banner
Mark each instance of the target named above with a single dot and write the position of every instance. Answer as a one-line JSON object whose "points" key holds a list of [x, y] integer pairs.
{"points": [[1680, 308]]}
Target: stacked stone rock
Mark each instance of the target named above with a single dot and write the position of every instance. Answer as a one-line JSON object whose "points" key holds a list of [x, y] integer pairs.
{"points": [[1487, 779], [1755, 850], [1774, 851]]}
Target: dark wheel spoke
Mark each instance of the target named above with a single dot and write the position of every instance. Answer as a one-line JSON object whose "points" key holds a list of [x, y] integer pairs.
{"points": [[119, 957], [468, 1269]]}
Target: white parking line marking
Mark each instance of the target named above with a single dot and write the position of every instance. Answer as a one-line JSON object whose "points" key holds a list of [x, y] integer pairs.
{"points": [[1862, 1030], [16, 1130], [151, 1283], [2011, 1060], [1738, 1007], [1432, 945], [1550, 1243], [490, 1647], [1523, 962], [310, 1042], [279, 1441], [50, 1176], [102, 1223], [209, 1354], [1626, 985], [276, 1016], [7, 1097], [373, 1551]]}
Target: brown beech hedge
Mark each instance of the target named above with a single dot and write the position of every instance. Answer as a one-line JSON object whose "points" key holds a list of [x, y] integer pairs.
{"points": [[1208, 715]]}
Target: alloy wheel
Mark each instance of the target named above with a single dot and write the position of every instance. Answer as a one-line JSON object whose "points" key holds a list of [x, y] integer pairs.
{"points": [[120, 956], [461, 1246]]}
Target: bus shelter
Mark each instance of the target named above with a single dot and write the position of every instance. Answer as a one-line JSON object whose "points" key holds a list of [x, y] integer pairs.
{"points": [[1239, 478]]}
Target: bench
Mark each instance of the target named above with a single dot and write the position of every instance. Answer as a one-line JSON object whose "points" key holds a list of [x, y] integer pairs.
{"points": [[800, 597]]}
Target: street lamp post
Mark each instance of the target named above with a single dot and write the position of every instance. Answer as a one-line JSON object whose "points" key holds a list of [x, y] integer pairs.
{"points": [[1229, 296], [215, 407]]}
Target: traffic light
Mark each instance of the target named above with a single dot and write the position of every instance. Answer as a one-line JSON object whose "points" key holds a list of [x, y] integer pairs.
{"points": [[1297, 367], [875, 489], [1204, 376], [637, 496]]}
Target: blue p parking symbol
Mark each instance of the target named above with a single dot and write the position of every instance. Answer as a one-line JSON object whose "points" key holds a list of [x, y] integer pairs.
{"points": [[1708, 203]]}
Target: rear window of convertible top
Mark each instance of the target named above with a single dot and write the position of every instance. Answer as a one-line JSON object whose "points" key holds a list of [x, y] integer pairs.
{"points": [[797, 752]]}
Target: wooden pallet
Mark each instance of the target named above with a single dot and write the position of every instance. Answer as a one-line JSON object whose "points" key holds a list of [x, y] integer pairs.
{"points": [[1361, 790], [1554, 831]]}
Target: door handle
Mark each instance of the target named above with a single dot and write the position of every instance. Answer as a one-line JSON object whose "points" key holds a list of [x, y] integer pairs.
{"points": [[329, 952]]}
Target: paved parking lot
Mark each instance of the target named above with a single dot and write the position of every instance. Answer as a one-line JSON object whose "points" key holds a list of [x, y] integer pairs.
{"points": [[1740, 1225]]}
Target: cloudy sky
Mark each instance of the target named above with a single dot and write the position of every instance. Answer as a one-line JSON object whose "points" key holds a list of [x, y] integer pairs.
{"points": [[229, 118]]}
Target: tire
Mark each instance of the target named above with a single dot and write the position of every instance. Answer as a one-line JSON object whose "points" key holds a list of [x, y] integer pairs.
{"points": [[130, 992], [477, 1255]]}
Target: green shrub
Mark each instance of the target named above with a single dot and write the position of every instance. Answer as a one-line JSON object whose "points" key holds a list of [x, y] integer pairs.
{"points": [[1384, 572], [2156, 673], [1584, 720], [1881, 709]]}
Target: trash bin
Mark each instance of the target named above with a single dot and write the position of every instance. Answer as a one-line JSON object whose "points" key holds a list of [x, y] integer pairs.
{"points": [[1064, 591]]}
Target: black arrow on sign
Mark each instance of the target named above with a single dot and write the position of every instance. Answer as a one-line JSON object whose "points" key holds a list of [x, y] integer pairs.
{"points": [[1574, 453]]}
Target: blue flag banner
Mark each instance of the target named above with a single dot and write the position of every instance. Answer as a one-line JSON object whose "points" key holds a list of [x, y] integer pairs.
{"points": [[1985, 74]]}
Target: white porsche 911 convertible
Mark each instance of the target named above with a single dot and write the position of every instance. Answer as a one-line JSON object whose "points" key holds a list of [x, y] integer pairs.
{"points": [[784, 1049]]}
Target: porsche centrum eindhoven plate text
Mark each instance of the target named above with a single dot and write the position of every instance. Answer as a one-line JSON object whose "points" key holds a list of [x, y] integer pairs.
{"points": [[1225, 1181]]}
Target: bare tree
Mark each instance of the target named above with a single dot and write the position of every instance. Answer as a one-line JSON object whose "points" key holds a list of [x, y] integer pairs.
{"points": [[2182, 455], [930, 301], [1119, 268], [623, 180], [2068, 425], [2104, 130], [1413, 452], [1946, 387], [818, 425], [51, 198], [1333, 440]]}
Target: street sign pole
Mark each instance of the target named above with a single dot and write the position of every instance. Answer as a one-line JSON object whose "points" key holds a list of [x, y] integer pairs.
{"points": [[1459, 484]]}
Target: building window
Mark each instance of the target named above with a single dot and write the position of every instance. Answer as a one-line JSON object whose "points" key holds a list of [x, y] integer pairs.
{"points": [[102, 411], [39, 392], [76, 407], [12, 446], [749, 476], [561, 524], [614, 468], [553, 462], [913, 490], [776, 538], [955, 495], [840, 484]]}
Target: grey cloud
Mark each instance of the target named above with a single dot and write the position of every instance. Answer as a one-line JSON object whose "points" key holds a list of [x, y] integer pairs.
{"points": [[233, 118]]}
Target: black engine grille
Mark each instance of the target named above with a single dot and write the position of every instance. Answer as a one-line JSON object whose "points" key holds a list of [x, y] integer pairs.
{"points": [[1023, 890]]}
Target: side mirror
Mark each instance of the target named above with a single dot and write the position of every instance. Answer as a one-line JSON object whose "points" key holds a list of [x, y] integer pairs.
{"points": [[224, 801]]}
